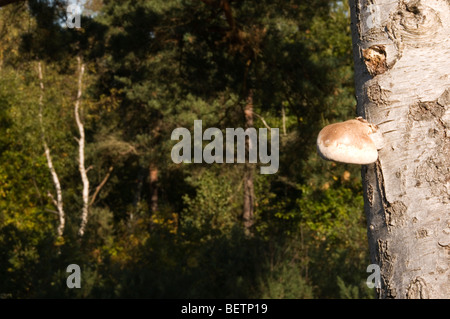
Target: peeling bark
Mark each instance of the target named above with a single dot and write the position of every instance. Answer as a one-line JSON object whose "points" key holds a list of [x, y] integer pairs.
{"points": [[402, 77]]}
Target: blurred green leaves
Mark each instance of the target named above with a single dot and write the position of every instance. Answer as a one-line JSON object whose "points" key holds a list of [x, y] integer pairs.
{"points": [[154, 66]]}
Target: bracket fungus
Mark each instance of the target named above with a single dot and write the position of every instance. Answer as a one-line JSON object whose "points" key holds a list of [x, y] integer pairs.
{"points": [[354, 141]]}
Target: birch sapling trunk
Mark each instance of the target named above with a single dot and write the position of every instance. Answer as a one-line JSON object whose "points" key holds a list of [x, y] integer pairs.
{"points": [[402, 77], [153, 181], [58, 202], [249, 195], [81, 146]]}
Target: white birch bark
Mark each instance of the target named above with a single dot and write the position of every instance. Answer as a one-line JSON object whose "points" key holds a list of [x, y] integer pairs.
{"points": [[58, 202], [402, 77], [81, 146], [249, 193], [283, 118]]}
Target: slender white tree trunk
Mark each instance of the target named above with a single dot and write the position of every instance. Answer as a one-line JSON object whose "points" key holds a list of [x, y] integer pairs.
{"points": [[249, 193], [81, 146], [402, 75], [58, 202]]}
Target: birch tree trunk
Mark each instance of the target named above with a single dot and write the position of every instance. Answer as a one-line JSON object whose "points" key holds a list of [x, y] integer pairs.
{"points": [[153, 181], [81, 145], [58, 202], [402, 77], [249, 194]]}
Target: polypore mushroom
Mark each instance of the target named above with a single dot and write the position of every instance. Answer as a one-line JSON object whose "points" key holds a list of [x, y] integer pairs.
{"points": [[354, 141]]}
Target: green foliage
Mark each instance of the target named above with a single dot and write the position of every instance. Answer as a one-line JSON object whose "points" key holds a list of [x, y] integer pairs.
{"points": [[152, 66], [286, 283], [349, 291], [208, 216]]}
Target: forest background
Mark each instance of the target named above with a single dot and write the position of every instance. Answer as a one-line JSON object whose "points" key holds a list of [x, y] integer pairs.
{"points": [[139, 225]]}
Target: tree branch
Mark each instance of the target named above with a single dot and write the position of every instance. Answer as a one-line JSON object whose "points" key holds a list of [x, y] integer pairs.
{"points": [[99, 187], [52, 198], [51, 211], [263, 120]]}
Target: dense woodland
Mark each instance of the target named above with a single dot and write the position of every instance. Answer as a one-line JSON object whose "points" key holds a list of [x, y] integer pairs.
{"points": [[138, 224]]}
